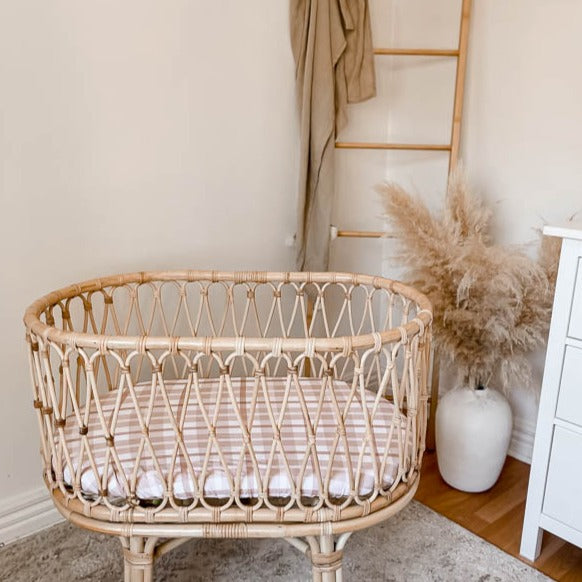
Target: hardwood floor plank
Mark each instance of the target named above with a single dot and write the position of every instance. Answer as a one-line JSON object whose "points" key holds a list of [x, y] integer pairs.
{"points": [[564, 563], [502, 532], [503, 503], [497, 516]]}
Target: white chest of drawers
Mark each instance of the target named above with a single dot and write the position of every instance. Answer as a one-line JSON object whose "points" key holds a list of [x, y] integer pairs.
{"points": [[554, 500]]}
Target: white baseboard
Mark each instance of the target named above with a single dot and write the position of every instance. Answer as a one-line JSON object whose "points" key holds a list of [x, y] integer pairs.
{"points": [[522, 440], [26, 513]]}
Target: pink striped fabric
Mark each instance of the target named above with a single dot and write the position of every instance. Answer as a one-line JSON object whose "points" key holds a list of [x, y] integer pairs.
{"points": [[147, 468]]}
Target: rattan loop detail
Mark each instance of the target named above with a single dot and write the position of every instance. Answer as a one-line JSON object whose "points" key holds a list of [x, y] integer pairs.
{"points": [[139, 560], [327, 562]]}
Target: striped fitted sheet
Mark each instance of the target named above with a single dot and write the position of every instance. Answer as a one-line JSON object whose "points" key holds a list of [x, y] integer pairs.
{"points": [[150, 467]]}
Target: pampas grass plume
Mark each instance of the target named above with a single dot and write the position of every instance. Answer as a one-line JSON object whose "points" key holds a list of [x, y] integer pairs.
{"points": [[492, 304]]}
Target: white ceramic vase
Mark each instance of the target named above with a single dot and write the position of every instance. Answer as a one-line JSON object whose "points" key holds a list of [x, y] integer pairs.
{"points": [[473, 430]]}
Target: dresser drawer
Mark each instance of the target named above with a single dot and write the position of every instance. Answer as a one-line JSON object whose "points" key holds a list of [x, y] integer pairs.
{"points": [[570, 398], [575, 327], [563, 498]]}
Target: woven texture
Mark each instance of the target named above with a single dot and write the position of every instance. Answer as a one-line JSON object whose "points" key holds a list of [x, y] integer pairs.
{"points": [[204, 468], [222, 398]]}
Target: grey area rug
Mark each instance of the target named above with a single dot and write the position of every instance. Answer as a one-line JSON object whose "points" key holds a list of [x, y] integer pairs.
{"points": [[415, 545]]}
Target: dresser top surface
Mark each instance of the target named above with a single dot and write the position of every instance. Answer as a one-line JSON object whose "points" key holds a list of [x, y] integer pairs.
{"points": [[571, 229]]}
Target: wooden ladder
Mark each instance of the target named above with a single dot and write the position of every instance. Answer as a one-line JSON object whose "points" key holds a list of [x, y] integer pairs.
{"points": [[459, 53]]}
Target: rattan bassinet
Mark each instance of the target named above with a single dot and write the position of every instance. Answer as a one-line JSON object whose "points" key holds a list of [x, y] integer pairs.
{"points": [[174, 405]]}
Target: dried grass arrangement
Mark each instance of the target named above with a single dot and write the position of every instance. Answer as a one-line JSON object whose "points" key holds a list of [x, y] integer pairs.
{"points": [[492, 305]]}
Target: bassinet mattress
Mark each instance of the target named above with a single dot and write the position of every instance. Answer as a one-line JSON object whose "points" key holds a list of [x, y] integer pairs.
{"points": [[138, 463]]}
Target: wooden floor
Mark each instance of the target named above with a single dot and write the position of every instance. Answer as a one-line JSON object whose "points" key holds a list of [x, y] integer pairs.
{"points": [[497, 516]]}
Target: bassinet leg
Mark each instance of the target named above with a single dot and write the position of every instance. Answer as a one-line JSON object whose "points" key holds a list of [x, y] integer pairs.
{"points": [[138, 558], [326, 557]]}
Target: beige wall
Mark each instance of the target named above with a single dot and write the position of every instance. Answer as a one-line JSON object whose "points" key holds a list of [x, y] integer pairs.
{"points": [[522, 135], [144, 134], [134, 135]]}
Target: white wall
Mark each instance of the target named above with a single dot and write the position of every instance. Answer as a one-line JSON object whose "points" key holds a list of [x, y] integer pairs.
{"points": [[521, 142], [134, 135], [143, 134], [523, 139]]}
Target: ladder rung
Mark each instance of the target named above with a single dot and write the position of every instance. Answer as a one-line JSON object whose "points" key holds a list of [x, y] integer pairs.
{"points": [[392, 146], [363, 234], [417, 52]]}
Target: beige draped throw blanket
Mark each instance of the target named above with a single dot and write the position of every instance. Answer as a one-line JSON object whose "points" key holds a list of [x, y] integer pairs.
{"points": [[332, 46]]}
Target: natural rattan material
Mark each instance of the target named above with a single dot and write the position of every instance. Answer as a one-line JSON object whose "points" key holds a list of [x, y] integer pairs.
{"points": [[250, 404], [99, 341]]}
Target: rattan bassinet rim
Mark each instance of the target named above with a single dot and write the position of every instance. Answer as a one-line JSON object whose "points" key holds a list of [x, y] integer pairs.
{"points": [[234, 514], [245, 529], [321, 344]]}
